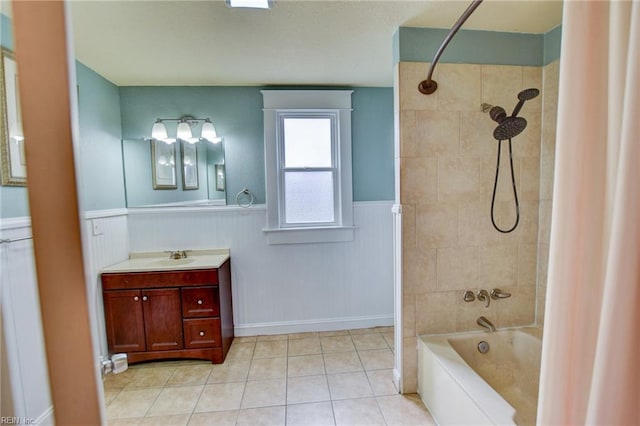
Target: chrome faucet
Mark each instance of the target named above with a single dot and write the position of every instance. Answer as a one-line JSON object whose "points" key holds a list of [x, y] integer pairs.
{"points": [[483, 296], [484, 322], [496, 294], [178, 254]]}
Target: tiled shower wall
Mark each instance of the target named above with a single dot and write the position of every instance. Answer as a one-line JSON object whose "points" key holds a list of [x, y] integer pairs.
{"points": [[447, 158]]}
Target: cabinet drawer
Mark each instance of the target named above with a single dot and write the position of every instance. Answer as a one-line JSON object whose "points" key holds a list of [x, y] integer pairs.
{"points": [[198, 302], [202, 333], [137, 280]]}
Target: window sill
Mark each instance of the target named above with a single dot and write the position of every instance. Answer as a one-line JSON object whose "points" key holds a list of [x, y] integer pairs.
{"points": [[332, 234]]}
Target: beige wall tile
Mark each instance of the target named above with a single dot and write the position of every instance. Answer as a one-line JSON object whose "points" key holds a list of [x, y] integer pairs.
{"points": [[475, 224], [543, 263], [408, 134], [532, 78], [529, 188], [517, 310], [435, 312], [437, 225], [527, 265], [419, 270], [545, 221], [501, 84], [527, 143], [459, 179], [476, 135], [409, 229], [541, 296], [411, 74], [504, 189], [438, 133], [527, 229], [467, 313], [418, 180], [497, 266], [408, 315], [457, 268], [547, 164], [409, 365], [459, 87]]}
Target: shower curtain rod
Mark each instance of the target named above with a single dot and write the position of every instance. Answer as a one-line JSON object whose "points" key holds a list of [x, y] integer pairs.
{"points": [[428, 86]]}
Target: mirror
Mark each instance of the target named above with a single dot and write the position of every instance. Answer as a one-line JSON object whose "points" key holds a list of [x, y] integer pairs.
{"points": [[178, 174]]}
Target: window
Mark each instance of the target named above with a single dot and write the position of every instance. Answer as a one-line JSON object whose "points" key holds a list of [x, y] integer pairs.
{"points": [[308, 166]]}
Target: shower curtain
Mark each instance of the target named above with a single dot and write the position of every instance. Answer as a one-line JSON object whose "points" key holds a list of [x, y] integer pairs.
{"points": [[591, 348]]}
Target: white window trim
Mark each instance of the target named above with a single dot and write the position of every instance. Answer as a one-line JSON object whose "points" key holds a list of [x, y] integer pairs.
{"points": [[329, 101]]}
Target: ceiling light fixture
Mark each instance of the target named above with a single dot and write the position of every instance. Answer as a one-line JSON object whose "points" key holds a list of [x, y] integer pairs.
{"points": [[184, 132], [251, 4]]}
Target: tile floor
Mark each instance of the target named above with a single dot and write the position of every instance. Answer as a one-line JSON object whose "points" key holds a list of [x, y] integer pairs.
{"points": [[328, 378]]}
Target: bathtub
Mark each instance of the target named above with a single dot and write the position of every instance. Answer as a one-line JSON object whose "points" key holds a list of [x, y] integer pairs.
{"points": [[460, 385]]}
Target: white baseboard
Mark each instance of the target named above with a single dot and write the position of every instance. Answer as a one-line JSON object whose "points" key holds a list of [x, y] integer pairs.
{"points": [[330, 324]]}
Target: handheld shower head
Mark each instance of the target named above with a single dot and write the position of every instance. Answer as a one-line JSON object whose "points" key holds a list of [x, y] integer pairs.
{"points": [[525, 95], [497, 114]]}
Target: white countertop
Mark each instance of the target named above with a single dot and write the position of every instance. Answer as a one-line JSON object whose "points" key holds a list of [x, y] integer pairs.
{"points": [[160, 261]]}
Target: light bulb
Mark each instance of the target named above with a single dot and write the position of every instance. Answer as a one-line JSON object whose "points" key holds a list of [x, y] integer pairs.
{"points": [[209, 132], [159, 131], [184, 131]]}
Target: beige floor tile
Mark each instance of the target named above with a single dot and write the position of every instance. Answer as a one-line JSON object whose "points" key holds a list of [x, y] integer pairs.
{"points": [[241, 350], [264, 393], [333, 333], [190, 375], [125, 422], [342, 362], [220, 397], [272, 337], [357, 331], [217, 418], [245, 339], [387, 329], [337, 344], [176, 400], [307, 389], [174, 420], [132, 403], [304, 346], [404, 410], [231, 371], [110, 395], [352, 412], [305, 335], [377, 359], [270, 349], [388, 337], [265, 416], [312, 414], [117, 382], [305, 365], [155, 377], [349, 385], [381, 382], [365, 342], [268, 368]]}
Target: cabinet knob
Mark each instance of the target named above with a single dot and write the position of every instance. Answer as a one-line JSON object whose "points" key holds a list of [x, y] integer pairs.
{"points": [[136, 298], [144, 298], [201, 333], [200, 302]]}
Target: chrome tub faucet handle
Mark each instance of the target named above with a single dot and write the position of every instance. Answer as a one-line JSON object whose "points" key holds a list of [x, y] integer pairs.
{"points": [[496, 294], [483, 296]]}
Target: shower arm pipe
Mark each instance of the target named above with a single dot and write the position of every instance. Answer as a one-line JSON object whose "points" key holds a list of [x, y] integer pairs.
{"points": [[428, 86]]}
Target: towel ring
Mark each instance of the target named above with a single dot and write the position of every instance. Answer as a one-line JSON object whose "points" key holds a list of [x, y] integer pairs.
{"points": [[247, 195]]}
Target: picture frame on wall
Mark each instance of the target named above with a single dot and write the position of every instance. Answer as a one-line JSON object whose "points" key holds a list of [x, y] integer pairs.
{"points": [[12, 153], [220, 178], [163, 165], [189, 159]]}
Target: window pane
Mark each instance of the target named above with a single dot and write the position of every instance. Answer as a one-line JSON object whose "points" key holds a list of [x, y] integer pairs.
{"points": [[307, 142], [308, 197]]}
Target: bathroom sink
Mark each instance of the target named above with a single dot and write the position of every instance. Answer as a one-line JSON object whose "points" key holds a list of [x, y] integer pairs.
{"points": [[170, 262]]}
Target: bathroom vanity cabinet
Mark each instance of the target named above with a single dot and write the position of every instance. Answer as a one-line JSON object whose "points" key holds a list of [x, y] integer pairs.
{"points": [[154, 315]]}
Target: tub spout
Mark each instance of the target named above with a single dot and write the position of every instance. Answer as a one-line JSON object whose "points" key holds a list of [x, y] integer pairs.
{"points": [[483, 322]]}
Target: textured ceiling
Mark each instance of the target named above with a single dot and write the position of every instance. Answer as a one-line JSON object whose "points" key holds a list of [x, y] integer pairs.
{"points": [[296, 42]]}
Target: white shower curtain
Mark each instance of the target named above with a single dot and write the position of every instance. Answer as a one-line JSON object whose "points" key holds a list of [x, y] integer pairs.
{"points": [[591, 348]]}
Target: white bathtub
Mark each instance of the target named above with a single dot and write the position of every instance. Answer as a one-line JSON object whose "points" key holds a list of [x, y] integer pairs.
{"points": [[460, 385]]}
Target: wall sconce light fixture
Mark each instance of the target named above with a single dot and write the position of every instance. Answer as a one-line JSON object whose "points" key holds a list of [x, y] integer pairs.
{"points": [[183, 131]]}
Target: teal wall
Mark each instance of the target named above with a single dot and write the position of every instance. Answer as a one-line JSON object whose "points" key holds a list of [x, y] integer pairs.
{"points": [[477, 47], [13, 199], [101, 172], [237, 115]]}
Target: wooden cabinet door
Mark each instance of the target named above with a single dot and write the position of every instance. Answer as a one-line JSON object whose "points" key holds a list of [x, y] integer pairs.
{"points": [[124, 320], [162, 319]]}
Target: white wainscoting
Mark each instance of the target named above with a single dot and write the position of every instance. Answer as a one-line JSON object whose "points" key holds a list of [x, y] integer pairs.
{"points": [[22, 335], [286, 288]]}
